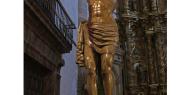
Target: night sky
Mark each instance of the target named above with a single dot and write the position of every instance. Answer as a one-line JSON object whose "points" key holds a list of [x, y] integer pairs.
{"points": [[69, 71]]}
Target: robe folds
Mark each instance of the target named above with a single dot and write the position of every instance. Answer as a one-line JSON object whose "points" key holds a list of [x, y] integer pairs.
{"points": [[102, 38]]}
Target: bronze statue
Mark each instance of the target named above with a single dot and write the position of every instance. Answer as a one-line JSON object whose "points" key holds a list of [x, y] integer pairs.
{"points": [[98, 35]]}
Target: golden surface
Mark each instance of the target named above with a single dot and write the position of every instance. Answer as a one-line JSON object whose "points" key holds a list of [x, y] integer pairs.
{"points": [[98, 35]]}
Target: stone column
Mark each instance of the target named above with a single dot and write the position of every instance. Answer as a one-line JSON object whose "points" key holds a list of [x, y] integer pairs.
{"points": [[161, 54], [131, 48], [132, 78], [151, 64]]}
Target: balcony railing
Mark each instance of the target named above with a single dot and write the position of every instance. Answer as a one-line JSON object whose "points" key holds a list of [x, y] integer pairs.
{"points": [[59, 17]]}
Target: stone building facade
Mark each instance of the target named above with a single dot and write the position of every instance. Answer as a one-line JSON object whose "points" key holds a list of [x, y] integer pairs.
{"points": [[143, 28], [47, 35]]}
